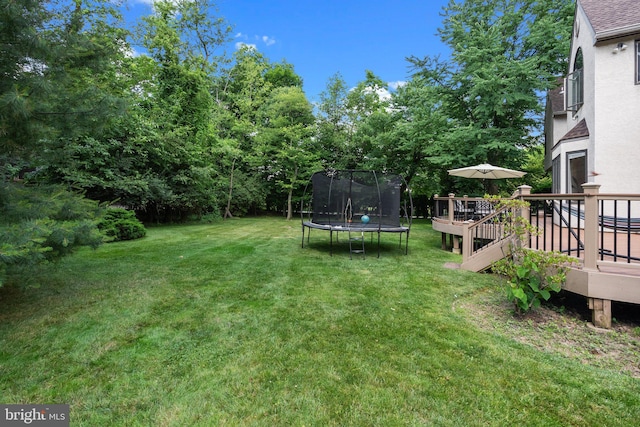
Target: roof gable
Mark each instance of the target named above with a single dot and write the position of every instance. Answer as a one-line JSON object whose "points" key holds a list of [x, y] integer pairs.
{"points": [[612, 18]]}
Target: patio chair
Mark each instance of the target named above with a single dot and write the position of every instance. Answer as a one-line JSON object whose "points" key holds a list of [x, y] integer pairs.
{"points": [[483, 208], [462, 211]]}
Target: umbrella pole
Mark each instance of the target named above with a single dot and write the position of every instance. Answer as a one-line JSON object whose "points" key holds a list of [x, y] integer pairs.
{"points": [[490, 187]]}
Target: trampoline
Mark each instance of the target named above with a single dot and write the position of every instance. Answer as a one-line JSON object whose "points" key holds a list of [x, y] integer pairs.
{"points": [[357, 202]]}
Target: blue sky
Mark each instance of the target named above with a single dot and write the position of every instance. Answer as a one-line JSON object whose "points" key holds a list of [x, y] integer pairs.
{"points": [[323, 37]]}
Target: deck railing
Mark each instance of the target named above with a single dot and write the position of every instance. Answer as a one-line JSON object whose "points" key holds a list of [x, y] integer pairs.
{"points": [[601, 230]]}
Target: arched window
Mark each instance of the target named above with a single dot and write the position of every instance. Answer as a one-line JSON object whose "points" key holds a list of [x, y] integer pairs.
{"points": [[575, 84], [578, 64]]}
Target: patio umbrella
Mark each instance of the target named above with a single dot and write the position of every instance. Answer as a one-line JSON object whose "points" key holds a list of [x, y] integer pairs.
{"points": [[486, 171]]}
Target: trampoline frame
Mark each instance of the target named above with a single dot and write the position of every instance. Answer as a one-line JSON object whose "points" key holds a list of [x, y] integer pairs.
{"points": [[380, 221]]}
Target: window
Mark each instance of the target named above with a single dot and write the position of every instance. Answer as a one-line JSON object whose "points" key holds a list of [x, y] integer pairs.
{"points": [[577, 171], [575, 88], [555, 177], [575, 84], [637, 62]]}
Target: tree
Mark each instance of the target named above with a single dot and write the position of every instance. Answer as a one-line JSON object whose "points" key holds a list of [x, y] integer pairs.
{"points": [[284, 141], [240, 92], [537, 177], [58, 61], [369, 97], [23, 53], [178, 108], [332, 123], [42, 223], [247, 120], [404, 136], [491, 89], [57, 64], [282, 75]]}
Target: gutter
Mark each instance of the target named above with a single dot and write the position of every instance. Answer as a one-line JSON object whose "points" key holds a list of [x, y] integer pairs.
{"points": [[617, 33]]}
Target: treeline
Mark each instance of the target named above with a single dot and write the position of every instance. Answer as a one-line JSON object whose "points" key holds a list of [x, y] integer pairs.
{"points": [[189, 130]]}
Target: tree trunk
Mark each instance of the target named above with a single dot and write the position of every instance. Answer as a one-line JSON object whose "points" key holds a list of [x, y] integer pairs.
{"points": [[290, 196], [227, 211], [289, 205]]}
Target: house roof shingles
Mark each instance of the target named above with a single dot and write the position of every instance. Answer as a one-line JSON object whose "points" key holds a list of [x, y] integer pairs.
{"points": [[612, 18], [578, 131], [556, 98]]}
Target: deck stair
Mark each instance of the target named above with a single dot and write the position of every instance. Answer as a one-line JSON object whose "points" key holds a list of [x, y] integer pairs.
{"points": [[487, 240], [601, 231]]}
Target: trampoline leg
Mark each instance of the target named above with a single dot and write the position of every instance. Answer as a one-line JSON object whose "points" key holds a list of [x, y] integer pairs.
{"points": [[378, 244], [303, 236], [330, 242], [406, 243]]}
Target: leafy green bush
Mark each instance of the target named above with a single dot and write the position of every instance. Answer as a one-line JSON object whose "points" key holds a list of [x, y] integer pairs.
{"points": [[121, 224], [532, 275]]}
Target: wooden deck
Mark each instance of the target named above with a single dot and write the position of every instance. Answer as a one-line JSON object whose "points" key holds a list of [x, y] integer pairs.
{"points": [[609, 258]]}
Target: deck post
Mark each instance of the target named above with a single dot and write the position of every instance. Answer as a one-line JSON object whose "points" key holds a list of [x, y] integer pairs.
{"points": [[600, 308], [451, 214], [455, 245], [467, 241], [591, 191], [523, 191], [451, 208], [600, 312], [437, 213]]}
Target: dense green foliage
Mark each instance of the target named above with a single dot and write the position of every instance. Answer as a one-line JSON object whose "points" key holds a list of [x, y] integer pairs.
{"points": [[533, 276], [186, 130], [167, 132], [43, 224], [120, 224], [505, 53]]}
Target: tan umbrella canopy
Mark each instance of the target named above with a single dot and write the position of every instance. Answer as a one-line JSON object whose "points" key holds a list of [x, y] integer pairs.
{"points": [[486, 171]]}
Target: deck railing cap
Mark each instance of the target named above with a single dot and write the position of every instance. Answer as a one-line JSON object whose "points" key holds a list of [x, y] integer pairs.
{"points": [[525, 190], [591, 188]]}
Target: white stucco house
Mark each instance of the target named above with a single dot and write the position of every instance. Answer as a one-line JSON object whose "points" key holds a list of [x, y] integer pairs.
{"points": [[592, 122]]}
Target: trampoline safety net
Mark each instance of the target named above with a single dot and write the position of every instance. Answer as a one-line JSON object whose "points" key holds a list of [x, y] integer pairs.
{"points": [[344, 197]]}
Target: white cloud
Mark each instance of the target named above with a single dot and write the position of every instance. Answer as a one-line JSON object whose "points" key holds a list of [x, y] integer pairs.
{"points": [[268, 40], [382, 92], [396, 85], [131, 53]]}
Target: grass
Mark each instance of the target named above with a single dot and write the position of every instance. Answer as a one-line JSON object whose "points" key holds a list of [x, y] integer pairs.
{"points": [[234, 324]]}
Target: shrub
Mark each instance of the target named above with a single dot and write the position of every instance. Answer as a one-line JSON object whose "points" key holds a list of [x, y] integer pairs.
{"points": [[532, 275], [43, 223], [120, 224]]}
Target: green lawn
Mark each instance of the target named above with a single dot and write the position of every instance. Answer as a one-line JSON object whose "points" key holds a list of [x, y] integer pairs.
{"points": [[234, 324]]}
